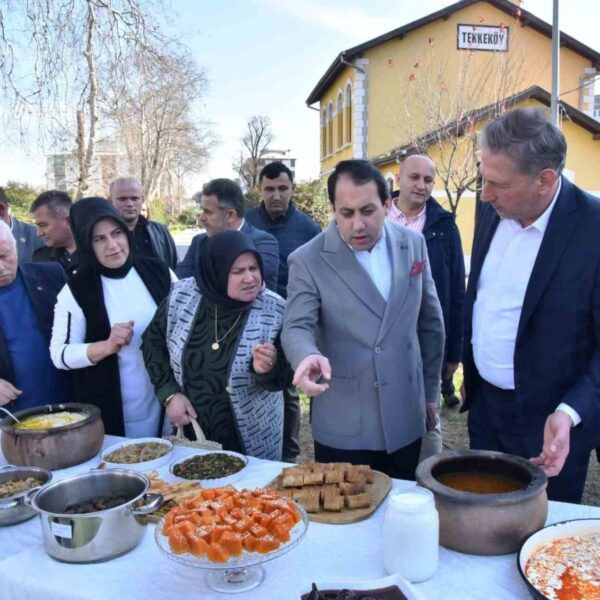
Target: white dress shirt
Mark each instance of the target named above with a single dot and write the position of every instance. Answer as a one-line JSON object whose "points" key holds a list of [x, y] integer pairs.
{"points": [[377, 263], [501, 290]]}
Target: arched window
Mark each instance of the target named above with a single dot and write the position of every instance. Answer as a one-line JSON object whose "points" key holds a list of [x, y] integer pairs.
{"points": [[330, 128], [348, 111], [340, 120], [390, 184], [324, 132]]}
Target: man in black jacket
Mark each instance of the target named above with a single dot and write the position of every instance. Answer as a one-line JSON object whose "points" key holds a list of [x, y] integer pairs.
{"points": [[278, 215], [149, 237], [415, 208], [50, 212]]}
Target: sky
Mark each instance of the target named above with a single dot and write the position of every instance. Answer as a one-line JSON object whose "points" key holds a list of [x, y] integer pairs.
{"points": [[265, 56]]}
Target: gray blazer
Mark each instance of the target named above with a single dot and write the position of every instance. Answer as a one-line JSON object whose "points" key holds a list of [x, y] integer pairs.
{"points": [[385, 358], [27, 239]]}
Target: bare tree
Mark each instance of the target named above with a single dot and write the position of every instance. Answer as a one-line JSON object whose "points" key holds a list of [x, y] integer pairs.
{"points": [[153, 110], [255, 144], [52, 57], [440, 110], [190, 157]]}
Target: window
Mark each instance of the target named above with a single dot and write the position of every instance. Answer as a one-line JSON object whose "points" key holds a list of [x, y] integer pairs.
{"points": [[348, 111], [390, 183], [324, 132], [330, 128], [340, 120]]}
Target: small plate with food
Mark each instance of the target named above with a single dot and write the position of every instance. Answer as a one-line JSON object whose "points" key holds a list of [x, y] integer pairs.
{"points": [[393, 587], [564, 556], [15, 485], [212, 468], [139, 454]]}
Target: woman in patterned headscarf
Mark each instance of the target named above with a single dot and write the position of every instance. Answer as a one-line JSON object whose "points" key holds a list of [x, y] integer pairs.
{"points": [[212, 349]]}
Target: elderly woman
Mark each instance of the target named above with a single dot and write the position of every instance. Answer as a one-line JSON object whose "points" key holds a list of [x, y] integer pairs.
{"points": [[100, 316], [212, 349]]}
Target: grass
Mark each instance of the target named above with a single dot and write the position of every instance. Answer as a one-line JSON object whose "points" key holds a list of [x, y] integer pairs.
{"points": [[455, 437]]}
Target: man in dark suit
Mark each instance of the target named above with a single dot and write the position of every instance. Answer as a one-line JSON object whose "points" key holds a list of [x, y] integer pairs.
{"points": [[149, 237], [27, 298], [27, 239], [532, 335], [222, 206]]}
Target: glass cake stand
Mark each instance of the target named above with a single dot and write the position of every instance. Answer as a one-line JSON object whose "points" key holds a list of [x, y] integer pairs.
{"points": [[238, 574]]}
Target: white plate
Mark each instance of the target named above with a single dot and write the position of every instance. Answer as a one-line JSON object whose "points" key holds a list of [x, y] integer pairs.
{"points": [[147, 465], [367, 584], [211, 483], [547, 534]]}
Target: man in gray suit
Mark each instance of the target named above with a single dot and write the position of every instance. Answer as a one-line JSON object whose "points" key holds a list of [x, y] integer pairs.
{"points": [[363, 329], [26, 235]]}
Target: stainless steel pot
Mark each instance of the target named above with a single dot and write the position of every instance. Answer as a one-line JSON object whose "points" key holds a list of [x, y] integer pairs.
{"points": [[94, 536], [13, 509]]}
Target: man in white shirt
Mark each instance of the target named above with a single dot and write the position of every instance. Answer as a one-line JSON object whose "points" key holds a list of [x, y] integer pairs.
{"points": [[363, 329], [532, 355]]}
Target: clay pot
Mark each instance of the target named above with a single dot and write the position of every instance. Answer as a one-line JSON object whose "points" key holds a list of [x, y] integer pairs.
{"points": [[486, 524], [56, 447]]}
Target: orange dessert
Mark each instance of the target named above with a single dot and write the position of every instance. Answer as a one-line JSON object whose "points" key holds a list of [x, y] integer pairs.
{"points": [[220, 523]]}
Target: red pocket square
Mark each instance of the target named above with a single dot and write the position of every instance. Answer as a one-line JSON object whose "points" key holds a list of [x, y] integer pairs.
{"points": [[417, 267]]}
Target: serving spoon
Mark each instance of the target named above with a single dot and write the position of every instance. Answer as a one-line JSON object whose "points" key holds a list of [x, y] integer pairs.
{"points": [[10, 415]]}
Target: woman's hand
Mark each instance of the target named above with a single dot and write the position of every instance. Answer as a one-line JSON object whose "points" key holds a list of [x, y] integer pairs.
{"points": [[264, 357], [120, 335], [180, 410]]}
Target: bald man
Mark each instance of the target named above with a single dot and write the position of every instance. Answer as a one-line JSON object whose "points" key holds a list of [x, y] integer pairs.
{"points": [[149, 237], [414, 208]]}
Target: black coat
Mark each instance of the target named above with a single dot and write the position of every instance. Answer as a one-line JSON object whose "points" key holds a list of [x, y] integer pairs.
{"points": [[448, 270], [557, 349]]}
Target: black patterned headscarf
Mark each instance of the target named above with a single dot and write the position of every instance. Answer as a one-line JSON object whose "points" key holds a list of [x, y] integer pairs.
{"points": [[217, 254]]}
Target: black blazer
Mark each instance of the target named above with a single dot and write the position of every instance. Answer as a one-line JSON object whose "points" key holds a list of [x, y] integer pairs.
{"points": [[42, 281], [557, 351], [448, 271]]}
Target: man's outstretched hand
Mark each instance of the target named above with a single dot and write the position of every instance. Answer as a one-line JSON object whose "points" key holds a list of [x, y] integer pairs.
{"points": [[557, 434], [312, 375]]}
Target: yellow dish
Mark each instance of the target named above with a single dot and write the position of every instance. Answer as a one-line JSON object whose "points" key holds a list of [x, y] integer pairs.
{"points": [[50, 420]]}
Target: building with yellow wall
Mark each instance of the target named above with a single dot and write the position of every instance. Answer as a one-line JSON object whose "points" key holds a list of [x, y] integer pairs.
{"points": [[384, 98]]}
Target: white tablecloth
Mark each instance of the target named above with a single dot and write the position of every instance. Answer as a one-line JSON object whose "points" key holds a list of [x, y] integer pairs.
{"points": [[326, 552]]}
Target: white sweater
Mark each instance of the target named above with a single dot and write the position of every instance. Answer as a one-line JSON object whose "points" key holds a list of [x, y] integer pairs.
{"points": [[126, 299]]}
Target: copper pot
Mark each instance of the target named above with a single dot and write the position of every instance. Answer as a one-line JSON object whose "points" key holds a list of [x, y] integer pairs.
{"points": [[486, 524], [55, 447]]}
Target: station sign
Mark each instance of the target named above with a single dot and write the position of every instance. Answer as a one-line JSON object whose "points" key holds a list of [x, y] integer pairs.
{"points": [[482, 37]]}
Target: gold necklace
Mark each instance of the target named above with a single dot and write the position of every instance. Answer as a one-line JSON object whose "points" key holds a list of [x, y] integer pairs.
{"points": [[215, 345]]}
